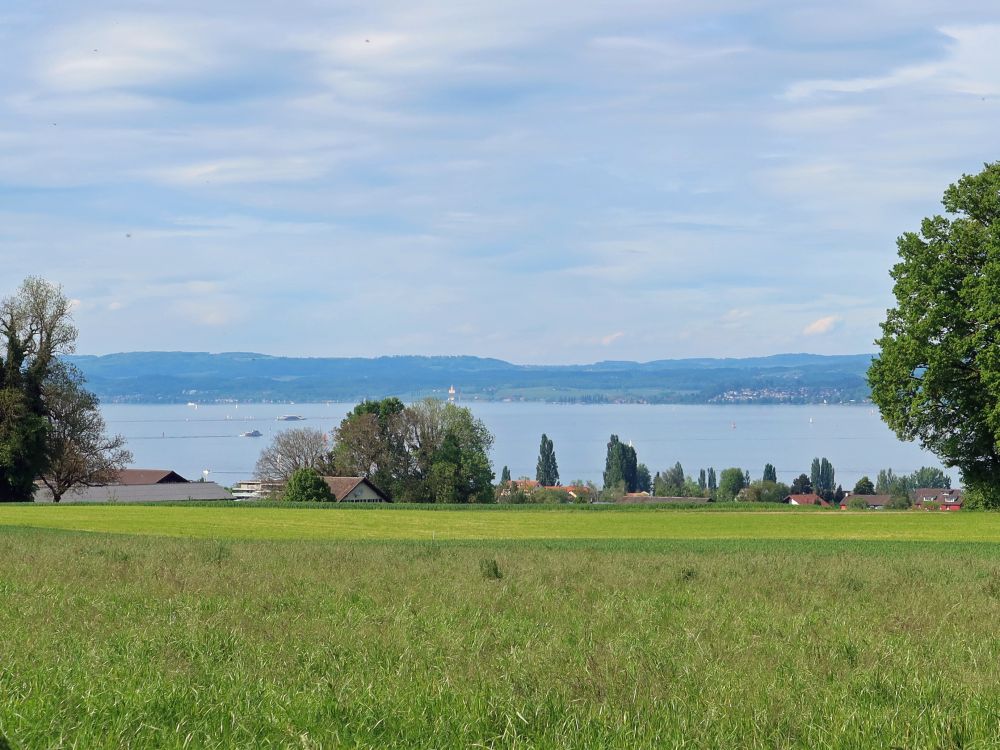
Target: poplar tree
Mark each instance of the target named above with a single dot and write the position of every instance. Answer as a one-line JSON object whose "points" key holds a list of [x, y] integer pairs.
{"points": [[547, 469], [621, 466]]}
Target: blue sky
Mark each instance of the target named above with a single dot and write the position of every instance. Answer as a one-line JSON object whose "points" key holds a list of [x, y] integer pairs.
{"points": [[541, 182]]}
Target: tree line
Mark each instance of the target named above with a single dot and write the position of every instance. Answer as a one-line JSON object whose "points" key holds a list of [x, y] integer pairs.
{"points": [[624, 474]]}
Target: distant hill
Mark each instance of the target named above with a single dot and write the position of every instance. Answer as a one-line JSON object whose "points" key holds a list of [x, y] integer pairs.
{"points": [[179, 377]]}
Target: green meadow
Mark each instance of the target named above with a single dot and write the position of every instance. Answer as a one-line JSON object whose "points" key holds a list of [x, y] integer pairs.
{"points": [[233, 627], [373, 523]]}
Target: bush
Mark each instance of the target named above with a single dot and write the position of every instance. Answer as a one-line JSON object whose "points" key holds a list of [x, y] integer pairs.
{"points": [[307, 486], [490, 569], [857, 503], [978, 498]]}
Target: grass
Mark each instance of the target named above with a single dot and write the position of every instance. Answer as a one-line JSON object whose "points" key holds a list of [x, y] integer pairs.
{"points": [[695, 635], [341, 523]]}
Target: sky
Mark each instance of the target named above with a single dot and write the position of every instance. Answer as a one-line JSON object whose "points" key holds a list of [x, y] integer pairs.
{"points": [[557, 182]]}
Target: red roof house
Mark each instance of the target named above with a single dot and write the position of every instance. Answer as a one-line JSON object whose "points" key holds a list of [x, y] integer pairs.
{"points": [[809, 499]]}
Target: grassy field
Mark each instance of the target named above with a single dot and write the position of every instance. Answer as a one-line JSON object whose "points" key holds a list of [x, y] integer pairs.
{"points": [[345, 523], [838, 631]]}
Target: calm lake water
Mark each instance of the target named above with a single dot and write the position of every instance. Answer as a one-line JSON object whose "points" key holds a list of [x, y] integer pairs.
{"points": [[191, 440]]}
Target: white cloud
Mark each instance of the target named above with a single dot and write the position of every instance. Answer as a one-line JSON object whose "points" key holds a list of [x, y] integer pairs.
{"points": [[612, 338], [116, 52], [970, 66], [244, 170], [821, 326]]}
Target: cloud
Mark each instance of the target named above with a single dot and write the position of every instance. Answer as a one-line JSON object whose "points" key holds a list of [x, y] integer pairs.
{"points": [[821, 326], [669, 164], [971, 65]]}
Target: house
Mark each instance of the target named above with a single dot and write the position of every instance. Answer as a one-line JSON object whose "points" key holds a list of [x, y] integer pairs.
{"points": [[141, 486], [944, 498], [806, 499], [872, 502], [355, 490]]}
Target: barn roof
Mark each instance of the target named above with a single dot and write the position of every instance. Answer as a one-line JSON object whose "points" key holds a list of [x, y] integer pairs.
{"points": [[341, 487], [148, 476]]}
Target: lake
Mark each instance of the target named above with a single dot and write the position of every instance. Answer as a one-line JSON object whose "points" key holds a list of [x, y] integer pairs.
{"points": [[191, 440]]}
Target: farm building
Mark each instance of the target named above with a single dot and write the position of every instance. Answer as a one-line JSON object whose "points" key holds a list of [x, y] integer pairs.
{"points": [[139, 486], [355, 490]]}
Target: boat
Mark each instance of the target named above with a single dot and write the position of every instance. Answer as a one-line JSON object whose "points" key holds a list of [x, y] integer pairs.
{"points": [[251, 433], [290, 418]]}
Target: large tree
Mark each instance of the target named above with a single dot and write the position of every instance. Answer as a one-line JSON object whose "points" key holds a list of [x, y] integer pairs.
{"points": [[864, 486], [821, 476], [731, 481], [426, 452], [370, 442], [937, 377], [80, 452], [547, 469], [291, 450], [35, 328], [621, 466]]}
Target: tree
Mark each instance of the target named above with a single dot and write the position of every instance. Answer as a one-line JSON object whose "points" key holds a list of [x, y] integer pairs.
{"points": [[505, 475], [35, 328], [291, 450], [447, 455], [930, 476], [822, 478], [670, 483], [369, 442], [620, 466], [712, 484], [79, 451], [307, 486], [731, 481], [885, 481], [702, 480], [801, 485], [770, 474], [937, 377], [864, 487], [547, 469], [643, 482], [765, 492]]}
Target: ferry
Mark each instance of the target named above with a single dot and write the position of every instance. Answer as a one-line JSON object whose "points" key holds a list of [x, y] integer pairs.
{"points": [[290, 418], [252, 433]]}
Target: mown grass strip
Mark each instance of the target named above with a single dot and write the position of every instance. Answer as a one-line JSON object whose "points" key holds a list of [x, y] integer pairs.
{"points": [[283, 523]]}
